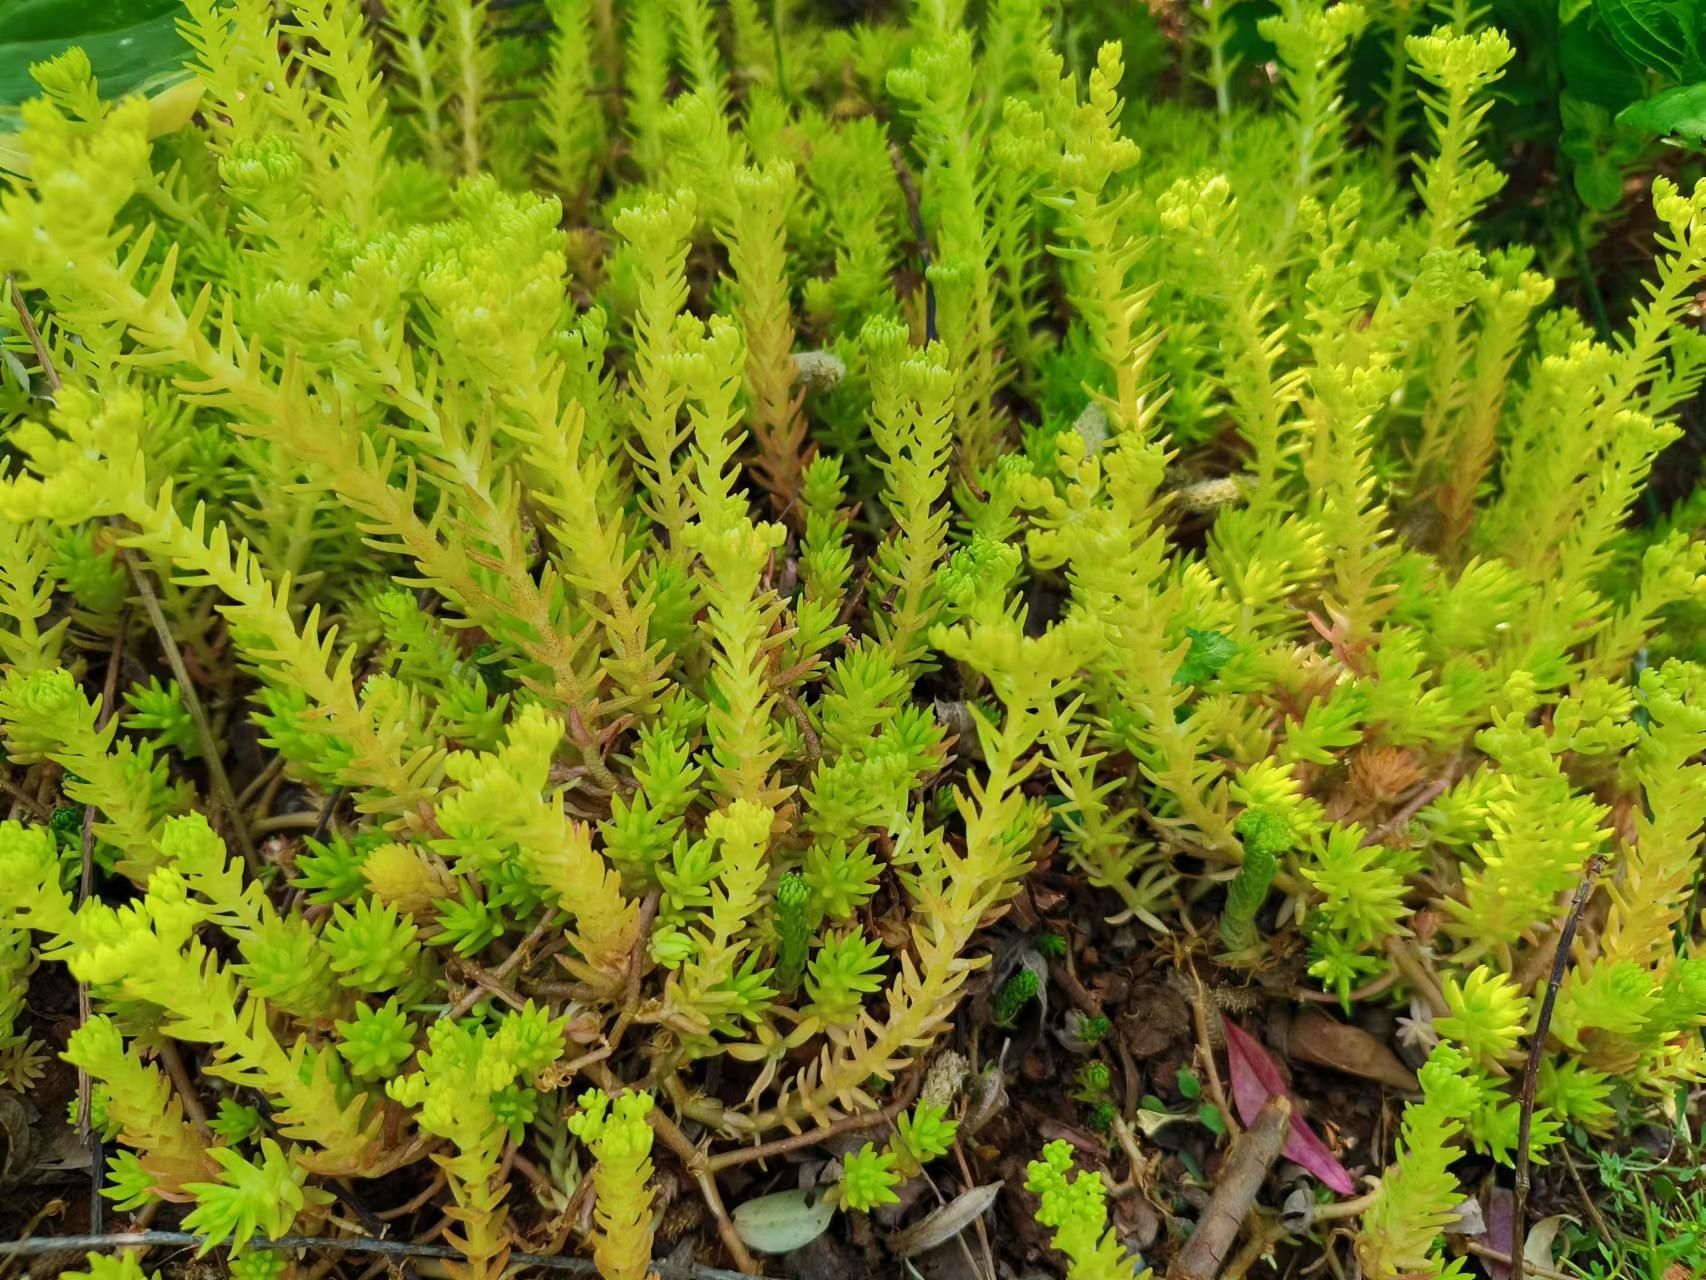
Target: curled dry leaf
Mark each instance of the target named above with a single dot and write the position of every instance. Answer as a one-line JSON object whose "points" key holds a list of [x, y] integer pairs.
{"points": [[16, 1142], [1324, 1041], [1537, 1244], [945, 1223], [1255, 1079]]}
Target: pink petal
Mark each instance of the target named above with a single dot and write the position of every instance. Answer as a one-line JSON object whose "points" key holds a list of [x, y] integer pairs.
{"points": [[1255, 1079]]}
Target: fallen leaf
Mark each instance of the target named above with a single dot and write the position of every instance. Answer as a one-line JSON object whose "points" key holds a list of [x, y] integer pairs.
{"points": [[1255, 1079], [1500, 1216], [945, 1223], [1470, 1220], [1149, 1123], [785, 1221], [16, 1141], [1324, 1041], [1537, 1244]]}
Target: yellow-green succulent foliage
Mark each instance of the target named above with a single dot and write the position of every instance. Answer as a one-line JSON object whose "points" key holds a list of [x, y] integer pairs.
{"points": [[668, 484]]}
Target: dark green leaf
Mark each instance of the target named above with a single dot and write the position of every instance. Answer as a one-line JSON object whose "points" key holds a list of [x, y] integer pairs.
{"points": [[1659, 34], [1599, 150], [1188, 1085], [1209, 652], [133, 45], [1595, 69]]}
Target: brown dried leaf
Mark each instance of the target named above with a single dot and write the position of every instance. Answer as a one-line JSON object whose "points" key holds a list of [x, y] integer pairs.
{"points": [[16, 1142], [1324, 1041], [945, 1223]]}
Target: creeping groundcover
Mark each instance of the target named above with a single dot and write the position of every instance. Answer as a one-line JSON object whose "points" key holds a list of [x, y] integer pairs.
{"points": [[955, 640]]}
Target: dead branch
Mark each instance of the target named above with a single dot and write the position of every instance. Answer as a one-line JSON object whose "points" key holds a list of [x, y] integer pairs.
{"points": [[1246, 1168]]}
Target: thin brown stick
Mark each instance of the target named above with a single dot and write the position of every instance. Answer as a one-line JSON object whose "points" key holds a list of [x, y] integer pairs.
{"points": [[1493, 1255], [797, 713], [1066, 979], [1416, 974], [1421, 800], [1536, 1051], [816, 1137], [1205, 1047], [1256, 1244], [486, 983], [40, 811], [305, 821], [327, 809], [43, 358], [1374, 987], [222, 790], [989, 1267], [636, 966], [1599, 1223], [1241, 1177], [260, 781], [557, 1076], [512, 962], [173, 1062], [533, 1173], [408, 1207]]}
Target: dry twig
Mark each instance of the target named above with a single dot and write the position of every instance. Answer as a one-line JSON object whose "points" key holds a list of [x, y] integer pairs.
{"points": [[1205, 1046], [1241, 1177], [221, 781], [1536, 1051]]}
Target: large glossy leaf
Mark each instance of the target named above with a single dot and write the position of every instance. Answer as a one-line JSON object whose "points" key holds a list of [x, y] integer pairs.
{"points": [[1595, 69], [1664, 35], [133, 45], [1680, 111]]}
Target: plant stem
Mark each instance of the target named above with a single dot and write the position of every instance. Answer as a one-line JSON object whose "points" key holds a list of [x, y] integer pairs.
{"points": [[1536, 1051], [222, 790]]}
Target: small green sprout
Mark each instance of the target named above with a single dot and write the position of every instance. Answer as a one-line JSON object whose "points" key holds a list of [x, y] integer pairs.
{"points": [[793, 930], [1095, 1083], [1017, 992], [1082, 1032]]}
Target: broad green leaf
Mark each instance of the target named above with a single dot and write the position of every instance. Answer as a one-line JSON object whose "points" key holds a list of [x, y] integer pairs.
{"points": [[1663, 35], [1599, 149], [133, 45], [1680, 111], [1595, 69], [1599, 183]]}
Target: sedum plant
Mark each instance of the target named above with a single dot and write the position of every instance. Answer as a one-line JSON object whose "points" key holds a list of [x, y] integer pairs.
{"points": [[757, 474]]}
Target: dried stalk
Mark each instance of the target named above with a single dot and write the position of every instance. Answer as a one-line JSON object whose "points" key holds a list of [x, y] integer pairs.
{"points": [[1536, 1051], [1246, 1168]]}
